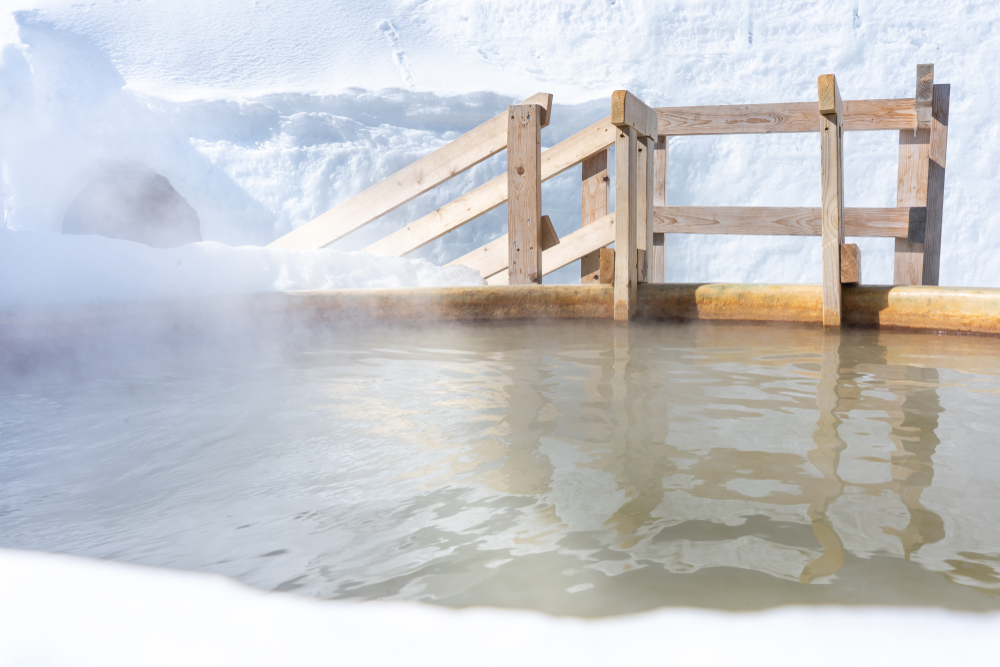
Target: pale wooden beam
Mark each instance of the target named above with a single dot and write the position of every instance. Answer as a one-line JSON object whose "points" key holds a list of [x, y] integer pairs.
{"points": [[644, 207], [488, 196], [832, 178], [661, 159], [408, 183], [921, 183], [627, 109], [859, 115], [524, 194], [902, 222], [850, 263], [626, 195], [593, 206], [607, 276]]}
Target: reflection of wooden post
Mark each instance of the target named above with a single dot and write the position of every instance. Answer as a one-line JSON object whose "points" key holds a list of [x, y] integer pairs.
{"points": [[634, 121], [921, 180], [661, 157], [832, 168], [524, 194], [593, 206]]}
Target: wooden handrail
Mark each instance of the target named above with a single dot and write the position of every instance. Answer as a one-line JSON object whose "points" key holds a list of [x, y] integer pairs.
{"points": [[408, 183], [488, 196], [903, 222], [859, 115]]}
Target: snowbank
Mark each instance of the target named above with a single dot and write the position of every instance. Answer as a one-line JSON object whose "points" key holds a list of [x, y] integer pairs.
{"points": [[265, 115], [70, 611], [56, 268]]}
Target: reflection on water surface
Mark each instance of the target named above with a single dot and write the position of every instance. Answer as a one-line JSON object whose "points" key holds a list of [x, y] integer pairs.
{"points": [[575, 468]]}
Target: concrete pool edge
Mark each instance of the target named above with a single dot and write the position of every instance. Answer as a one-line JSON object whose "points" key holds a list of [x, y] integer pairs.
{"points": [[922, 308]]}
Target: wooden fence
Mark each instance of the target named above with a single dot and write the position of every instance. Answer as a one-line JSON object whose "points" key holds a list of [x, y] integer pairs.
{"points": [[637, 228]]}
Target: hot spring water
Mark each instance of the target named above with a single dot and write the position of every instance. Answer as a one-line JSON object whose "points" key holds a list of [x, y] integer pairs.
{"points": [[571, 467]]}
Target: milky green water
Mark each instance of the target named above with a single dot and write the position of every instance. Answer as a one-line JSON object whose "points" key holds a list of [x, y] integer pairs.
{"points": [[571, 467]]}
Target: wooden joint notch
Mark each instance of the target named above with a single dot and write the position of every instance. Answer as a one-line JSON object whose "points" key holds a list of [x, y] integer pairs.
{"points": [[549, 236], [850, 263], [629, 110], [918, 224]]}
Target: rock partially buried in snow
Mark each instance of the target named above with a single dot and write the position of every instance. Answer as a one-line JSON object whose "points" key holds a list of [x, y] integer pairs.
{"points": [[130, 201]]}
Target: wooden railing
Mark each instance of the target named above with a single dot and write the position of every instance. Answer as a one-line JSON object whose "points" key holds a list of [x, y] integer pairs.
{"points": [[642, 218]]}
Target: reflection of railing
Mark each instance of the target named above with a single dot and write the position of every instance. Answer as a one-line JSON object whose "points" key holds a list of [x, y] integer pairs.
{"points": [[640, 135]]}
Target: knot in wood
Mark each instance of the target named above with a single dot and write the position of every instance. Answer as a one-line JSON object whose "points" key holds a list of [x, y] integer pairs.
{"points": [[520, 170]]}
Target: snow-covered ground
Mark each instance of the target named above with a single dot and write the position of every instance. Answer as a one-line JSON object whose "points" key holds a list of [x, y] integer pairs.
{"points": [[79, 612], [263, 115]]}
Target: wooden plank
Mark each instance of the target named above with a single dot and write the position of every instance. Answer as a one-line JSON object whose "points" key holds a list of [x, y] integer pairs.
{"points": [[629, 110], [488, 196], [626, 191], [911, 189], [832, 179], [524, 194], [859, 115], [607, 276], [925, 95], [901, 222], [661, 164], [549, 236], [850, 263], [406, 184], [644, 205], [571, 247], [935, 184], [593, 206]]}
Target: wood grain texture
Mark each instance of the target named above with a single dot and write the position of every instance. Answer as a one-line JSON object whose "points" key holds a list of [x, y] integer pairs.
{"points": [[832, 179], [408, 183], [626, 192], [593, 206], [571, 247], [782, 221], [925, 95], [859, 115], [911, 190], [661, 171], [629, 110], [488, 196], [644, 206], [850, 263], [607, 272], [524, 195]]}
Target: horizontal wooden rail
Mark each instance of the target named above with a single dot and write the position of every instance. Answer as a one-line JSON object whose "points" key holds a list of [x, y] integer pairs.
{"points": [[488, 196], [408, 183], [900, 222], [898, 114], [571, 248]]}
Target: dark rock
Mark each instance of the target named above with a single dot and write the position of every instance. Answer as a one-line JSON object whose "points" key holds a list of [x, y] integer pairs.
{"points": [[128, 200]]}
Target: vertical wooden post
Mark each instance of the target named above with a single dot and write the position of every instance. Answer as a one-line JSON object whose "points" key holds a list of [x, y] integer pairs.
{"points": [[644, 209], [594, 206], [626, 203], [635, 121], [832, 176], [524, 194], [661, 157], [921, 180]]}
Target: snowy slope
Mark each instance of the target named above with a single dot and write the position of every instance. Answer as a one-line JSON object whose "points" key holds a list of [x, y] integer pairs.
{"points": [[265, 114]]}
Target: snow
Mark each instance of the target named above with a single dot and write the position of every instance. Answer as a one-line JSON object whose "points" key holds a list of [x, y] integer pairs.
{"points": [[263, 115], [75, 611]]}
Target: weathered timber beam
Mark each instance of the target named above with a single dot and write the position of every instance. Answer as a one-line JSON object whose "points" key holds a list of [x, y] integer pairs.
{"points": [[900, 222], [790, 117], [491, 194], [629, 110], [408, 183], [571, 247], [831, 110]]}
